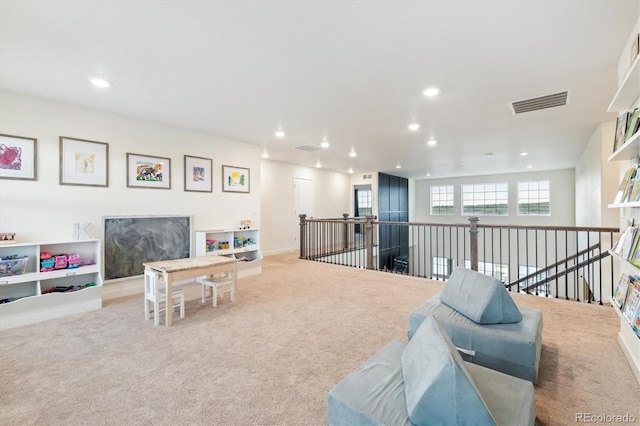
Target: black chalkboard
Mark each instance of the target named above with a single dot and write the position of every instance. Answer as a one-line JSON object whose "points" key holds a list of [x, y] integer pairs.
{"points": [[131, 241]]}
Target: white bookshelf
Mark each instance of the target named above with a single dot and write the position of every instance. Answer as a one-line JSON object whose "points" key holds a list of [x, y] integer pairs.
{"points": [[29, 292], [242, 244], [625, 99]]}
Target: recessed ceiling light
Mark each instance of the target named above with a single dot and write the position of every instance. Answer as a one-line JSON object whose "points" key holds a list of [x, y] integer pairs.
{"points": [[431, 92], [352, 153], [100, 82], [524, 153], [324, 144], [529, 166], [265, 155], [414, 126], [432, 142], [279, 134], [350, 170], [428, 174], [318, 165], [398, 166]]}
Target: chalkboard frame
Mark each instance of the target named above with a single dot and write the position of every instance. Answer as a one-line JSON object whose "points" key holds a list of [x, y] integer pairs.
{"points": [[129, 241]]}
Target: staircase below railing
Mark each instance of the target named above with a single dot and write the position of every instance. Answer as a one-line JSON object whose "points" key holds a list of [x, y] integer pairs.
{"points": [[562, 262]]}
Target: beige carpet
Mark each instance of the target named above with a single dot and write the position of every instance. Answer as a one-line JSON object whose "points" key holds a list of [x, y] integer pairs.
{"points": [[271, 357]]}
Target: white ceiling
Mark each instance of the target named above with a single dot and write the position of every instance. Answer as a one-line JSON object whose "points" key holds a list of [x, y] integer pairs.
{"points": [[352, 72]]}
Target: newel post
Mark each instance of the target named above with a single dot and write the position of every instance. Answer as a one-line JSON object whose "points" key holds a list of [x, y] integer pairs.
{"points": [[473, 242], [303, 236], [345, 217], [368, 227]]}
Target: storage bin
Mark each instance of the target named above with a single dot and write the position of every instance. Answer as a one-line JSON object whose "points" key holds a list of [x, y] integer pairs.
{"points": [[9, 267]]}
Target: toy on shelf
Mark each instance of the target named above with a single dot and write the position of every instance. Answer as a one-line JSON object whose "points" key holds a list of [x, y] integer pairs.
{"points": [[73, 260], [7, 237], [211, 245], [46, 262], [60, 261]]}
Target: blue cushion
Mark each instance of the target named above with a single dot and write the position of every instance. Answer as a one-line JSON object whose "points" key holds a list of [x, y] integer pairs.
{"points": [[373, 394], [481, 298], [511, 348], [437, 385]]}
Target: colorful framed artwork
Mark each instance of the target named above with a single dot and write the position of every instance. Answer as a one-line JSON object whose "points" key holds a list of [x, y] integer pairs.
{"points": [[145, 171], [197, 174], [235, 179], [18, 157], [83, 162]]}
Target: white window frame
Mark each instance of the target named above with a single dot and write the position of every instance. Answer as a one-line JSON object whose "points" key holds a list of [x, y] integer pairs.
{"points": [[441, 267], [449, 194], [537, 198], [483, 194], [495, 270]]}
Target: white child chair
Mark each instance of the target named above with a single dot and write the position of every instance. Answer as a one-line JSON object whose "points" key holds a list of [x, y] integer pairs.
{"points": [[219, 284], [153, 293]]}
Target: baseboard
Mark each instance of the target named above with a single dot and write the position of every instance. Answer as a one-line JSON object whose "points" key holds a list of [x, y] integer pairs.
{"points": [[118, 289], [280, 251]]}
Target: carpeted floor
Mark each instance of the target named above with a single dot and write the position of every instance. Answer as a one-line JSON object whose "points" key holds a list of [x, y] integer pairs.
{"points": [[271, 357]]}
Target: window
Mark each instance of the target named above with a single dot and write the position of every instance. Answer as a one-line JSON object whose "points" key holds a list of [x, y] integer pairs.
{"points": [[534, 198], [442, 200], [441, 267], [363, 200], [495, 270], [485, 199]]}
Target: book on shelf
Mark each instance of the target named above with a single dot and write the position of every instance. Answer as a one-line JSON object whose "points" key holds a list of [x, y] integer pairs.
{"points": [[617, 247], [635, 190], [631, 302], [624, 190], [621, 130], [634, 124], [625, 245], [634, 257], [635, 321], [621, 291]]}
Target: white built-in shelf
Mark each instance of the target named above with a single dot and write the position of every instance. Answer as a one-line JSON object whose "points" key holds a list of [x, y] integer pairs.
{"points": [[621, 205], [622, 259], [628, 150], [247, 249], [29, 292], [629, 342], [629, 90]]}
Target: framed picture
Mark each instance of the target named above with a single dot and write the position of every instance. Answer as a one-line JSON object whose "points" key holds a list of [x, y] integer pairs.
{"points": [[18, 157], [83, 162], [197, 174], [144, 171], [235, 179]]}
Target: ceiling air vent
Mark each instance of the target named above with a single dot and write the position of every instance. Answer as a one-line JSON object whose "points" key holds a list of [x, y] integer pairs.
{"points": [[309, 147], [542, 102], [365, 177]]}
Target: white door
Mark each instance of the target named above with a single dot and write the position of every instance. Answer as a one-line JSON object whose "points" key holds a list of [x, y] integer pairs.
{"points": [[302, 203]]}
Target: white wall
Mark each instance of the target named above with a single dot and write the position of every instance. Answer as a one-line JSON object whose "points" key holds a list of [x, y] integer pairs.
{"points": [[44, 210], [562, 199], [280, 231], [597, 180]]}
